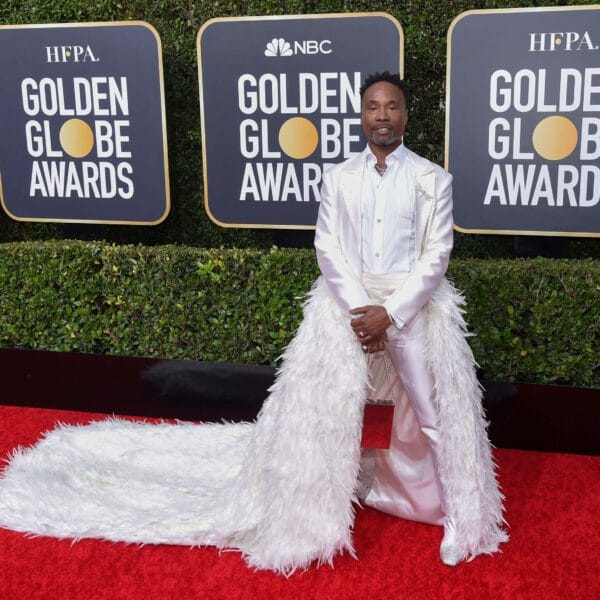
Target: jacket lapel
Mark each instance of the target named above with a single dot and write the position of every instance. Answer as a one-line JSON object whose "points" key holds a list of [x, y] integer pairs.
{"points": [[424, 184], [351, 189]]}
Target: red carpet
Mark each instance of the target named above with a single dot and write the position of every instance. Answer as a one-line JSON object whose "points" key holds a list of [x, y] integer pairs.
{"points": [[553, 503]]}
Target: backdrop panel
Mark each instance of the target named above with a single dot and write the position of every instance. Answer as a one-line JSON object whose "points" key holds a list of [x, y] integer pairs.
{"points": [[280, 103], [523, 120], [82, 116]]}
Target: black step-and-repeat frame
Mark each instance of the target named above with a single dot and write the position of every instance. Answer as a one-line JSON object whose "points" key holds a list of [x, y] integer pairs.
{"points": [[523, 121], [279, 104], [82, 116]]}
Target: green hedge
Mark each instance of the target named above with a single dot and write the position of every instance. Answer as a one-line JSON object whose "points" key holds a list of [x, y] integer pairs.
{"points": [[535, 320], [425, 23]]}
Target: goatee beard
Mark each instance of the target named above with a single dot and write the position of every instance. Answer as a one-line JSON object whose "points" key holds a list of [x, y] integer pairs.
{"points": [[386, 142]]}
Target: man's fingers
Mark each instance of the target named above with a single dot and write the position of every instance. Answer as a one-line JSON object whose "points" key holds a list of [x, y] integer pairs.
{"points": [[359, 329], [373, 343], [369, 326], [371, 339], [357, 323]]}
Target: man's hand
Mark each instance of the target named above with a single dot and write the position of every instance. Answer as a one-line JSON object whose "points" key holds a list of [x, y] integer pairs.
{"points": [[370, 325], [376, 345]]}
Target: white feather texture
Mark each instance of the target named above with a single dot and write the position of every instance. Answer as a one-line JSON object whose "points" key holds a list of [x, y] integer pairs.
{"points": [[281, 489], [466, 468]]}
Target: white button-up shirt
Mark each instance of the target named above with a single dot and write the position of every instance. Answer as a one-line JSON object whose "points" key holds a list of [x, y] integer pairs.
{"points": [[387, 215]]}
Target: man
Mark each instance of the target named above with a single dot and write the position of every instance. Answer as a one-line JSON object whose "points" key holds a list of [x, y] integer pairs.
{"points": [[383, 241]]}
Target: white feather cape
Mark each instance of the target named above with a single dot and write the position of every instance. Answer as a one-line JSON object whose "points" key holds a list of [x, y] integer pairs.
{"points": [[281, 489]]}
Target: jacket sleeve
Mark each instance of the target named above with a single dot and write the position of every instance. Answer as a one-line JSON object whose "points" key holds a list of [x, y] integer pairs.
{"points": [[404, 304], [341, 280]]}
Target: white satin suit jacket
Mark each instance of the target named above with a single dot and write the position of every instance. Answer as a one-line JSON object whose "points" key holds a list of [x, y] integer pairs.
{"points": [[338, 235]]}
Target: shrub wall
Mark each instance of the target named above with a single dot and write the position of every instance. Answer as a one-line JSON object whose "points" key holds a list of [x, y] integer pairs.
{"points": [[425, 23], [534, 320]]}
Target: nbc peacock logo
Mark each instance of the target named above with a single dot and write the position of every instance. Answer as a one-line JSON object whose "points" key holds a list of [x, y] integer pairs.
{"points": [[278, 47]]}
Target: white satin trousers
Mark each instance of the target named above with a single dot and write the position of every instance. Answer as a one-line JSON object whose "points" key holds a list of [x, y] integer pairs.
{"points": [[403, 480]]}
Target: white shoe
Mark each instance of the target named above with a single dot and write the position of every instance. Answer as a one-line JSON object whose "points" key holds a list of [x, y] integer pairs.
{"points": [[450, 554]]}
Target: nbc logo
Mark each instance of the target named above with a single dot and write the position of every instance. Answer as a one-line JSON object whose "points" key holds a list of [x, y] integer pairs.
{"points": [[278, 47]]}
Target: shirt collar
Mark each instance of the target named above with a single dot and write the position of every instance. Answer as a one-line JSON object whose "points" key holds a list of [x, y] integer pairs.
{"points": [[398, 155]]}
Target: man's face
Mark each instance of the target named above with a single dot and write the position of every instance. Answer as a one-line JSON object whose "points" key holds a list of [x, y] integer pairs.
{"points": [[384, 114]]}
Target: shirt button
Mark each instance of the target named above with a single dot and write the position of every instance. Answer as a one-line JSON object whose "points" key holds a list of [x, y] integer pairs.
{"points": [[377, 254], [379, 220]]}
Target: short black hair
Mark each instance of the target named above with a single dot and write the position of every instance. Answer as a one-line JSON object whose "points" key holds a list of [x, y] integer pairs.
{"points": [[393, 78]]}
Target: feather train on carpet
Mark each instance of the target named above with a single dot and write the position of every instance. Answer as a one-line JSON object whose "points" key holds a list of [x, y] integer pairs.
{"points": [[281, 489]]}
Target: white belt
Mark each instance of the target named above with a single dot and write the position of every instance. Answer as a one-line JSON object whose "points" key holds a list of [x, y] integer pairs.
{"points": [[380, 286]]}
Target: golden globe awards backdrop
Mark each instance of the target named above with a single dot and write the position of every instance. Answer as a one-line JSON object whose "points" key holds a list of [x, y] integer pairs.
{"points": [[279, 104], [82, 117], [523, 121]]}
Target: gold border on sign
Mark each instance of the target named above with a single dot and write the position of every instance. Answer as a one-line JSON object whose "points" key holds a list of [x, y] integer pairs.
{"points": [[447, 127], [201, 89], [154, 32]]}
